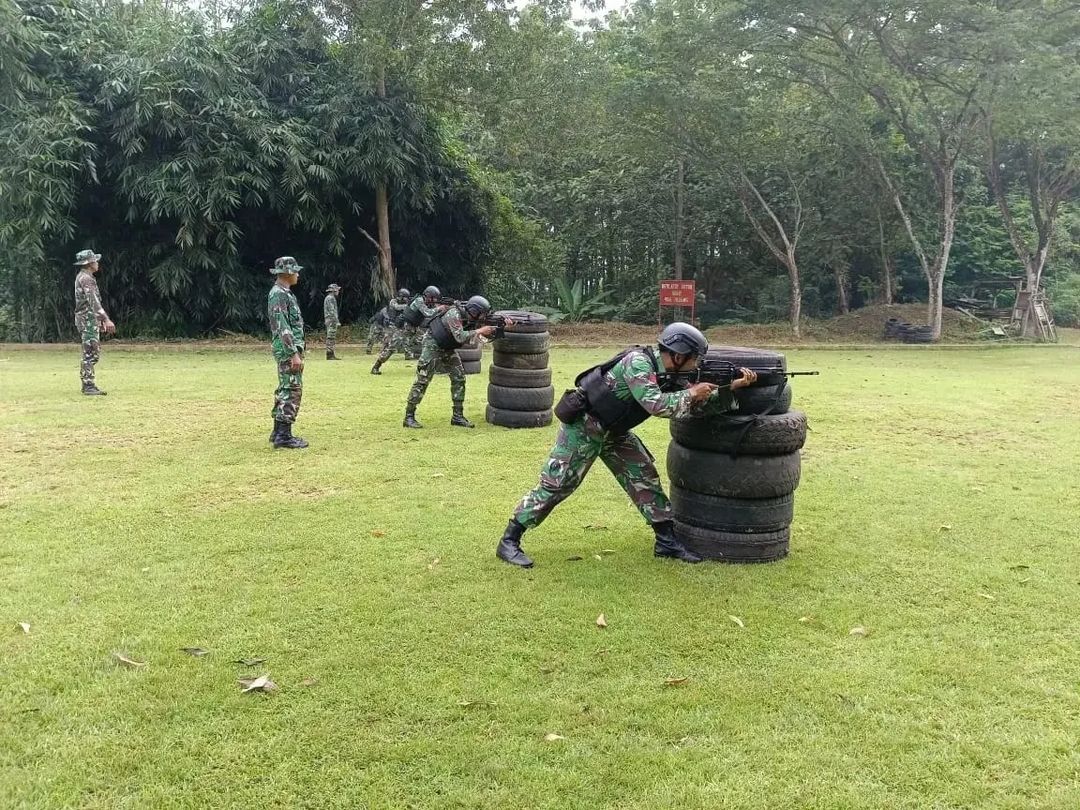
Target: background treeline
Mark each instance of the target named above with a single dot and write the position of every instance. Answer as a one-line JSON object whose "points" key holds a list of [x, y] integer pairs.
{"points": [[796, 159]]}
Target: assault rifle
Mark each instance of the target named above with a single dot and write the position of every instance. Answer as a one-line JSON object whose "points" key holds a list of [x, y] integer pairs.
{"points": [[723, 372], [498, 321]]}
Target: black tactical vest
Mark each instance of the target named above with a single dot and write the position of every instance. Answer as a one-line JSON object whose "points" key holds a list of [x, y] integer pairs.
{"points": [[617, 416], [441, 333], [412, 316]]}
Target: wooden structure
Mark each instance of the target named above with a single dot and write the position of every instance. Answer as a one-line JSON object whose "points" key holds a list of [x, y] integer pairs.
{"points": [[1031, 315]]}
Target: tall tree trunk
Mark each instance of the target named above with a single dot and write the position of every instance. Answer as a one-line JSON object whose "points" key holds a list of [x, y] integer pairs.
{"points": [[886, 264], [936, 278], [387, 274], [840, 274], [680, 208], [795, 308]]}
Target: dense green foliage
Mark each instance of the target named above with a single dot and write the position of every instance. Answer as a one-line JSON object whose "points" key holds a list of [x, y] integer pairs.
{"points": [[794, 163]]}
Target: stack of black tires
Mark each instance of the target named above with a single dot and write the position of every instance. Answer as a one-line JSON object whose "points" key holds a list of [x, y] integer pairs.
{"points": [[470, 356], [895, 329], [520, 394], [733, 475]]}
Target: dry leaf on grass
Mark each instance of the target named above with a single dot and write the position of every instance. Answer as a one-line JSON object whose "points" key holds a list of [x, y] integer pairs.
{"points": [[250, 662], [25, 627], [575, 558], [465, 704], [197, 652], [675, 681], [607, 551], [598, 557], [260, 684], [433, 563], [601, 621], [806, 619], [378, 533], [439, 475], [600, 526], [987, 597], [945, 527], [736, 620], [553, 737], [127, 661], [309, 681], [857, 631]]}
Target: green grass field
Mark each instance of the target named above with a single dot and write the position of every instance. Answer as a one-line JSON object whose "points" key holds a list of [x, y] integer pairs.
{"points": [[938, 510]]}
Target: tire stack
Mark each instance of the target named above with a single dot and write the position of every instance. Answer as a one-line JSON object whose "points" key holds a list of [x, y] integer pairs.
{"points": [[895, 329], [733, 476], [520, 394], [470, 356]]}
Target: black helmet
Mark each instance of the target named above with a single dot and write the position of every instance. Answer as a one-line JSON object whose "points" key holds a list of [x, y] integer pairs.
{"points": [[403, 293], [682, 338], [432, 292], [477, 306]]}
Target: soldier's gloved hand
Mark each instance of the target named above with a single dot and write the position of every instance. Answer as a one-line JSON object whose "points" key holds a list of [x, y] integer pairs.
{"points": [[486, 331], [699, 392], [748, 378], [296, 363]]}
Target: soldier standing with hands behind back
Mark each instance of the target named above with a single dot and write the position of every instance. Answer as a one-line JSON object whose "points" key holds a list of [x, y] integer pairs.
{"points": [[287, 343], [90, 318], [330, 319]]}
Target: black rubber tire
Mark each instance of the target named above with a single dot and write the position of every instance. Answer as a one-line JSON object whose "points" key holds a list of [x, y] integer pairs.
{"points": [[525, 323], [762, 399], [735, 547], [471, 367], [772, 435], [517, 419], [511, 343], [744, 356], [742, 477], [470, 355], [508, 360], [520, 377], [732, 514], [521, 399]]}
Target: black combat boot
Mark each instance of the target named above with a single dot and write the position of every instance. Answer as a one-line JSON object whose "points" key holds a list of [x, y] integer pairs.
{"points": [[91, 390], [277, 429], [285, 439], [375, 368], [458, 419], [667, 545], [410, 418], [330, 355], [509, 549]]}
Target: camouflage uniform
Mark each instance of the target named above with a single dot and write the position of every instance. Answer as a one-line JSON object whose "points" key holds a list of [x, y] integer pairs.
{"points": [[287, 331], [394, 335], [330, 319], [434, 359], [376, 330], [89, 317], [580, 443]]}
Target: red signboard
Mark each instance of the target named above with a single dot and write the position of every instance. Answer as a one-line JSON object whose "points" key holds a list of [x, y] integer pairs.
{"points": [[677, 293]]}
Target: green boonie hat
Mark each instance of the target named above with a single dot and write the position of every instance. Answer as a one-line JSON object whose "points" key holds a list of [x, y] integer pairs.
{"points": [[333, 288], [285, 264], [85, 257]]}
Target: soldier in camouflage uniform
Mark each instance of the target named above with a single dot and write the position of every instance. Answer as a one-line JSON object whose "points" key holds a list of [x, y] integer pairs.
{"points": [[401, 311], [619, 395], [90, 318], [330, 319], [446, 334], [287, 343], [377, 328], [415, 320]]}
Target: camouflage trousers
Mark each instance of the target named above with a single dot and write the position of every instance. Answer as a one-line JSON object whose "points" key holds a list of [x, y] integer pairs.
{"points": [[395, 339], [91, 351], [576, 448], [289, 391], [376, 332], [331, 336], [432, 359]]}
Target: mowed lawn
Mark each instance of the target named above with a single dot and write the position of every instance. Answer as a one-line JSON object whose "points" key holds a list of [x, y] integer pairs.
{"points": [[938, 511]]}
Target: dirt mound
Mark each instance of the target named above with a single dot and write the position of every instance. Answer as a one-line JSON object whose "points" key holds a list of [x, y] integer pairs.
{"points": [[866, 325]]}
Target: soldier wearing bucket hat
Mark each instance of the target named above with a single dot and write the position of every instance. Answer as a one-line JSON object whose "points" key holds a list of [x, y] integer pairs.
{"points": [[287, 343], [330, 319], [90, 318]]}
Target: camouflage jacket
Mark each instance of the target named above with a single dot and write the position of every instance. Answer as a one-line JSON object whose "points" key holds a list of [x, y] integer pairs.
{"points": [[286, 323], [329, 310], [87, 299], [395, 308], [456, 324], [418, 305], [634, 376]]}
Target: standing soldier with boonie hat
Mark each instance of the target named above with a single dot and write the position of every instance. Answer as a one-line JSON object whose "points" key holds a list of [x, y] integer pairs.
{"points": [[90, 318], [287, 343], [330, 319]]}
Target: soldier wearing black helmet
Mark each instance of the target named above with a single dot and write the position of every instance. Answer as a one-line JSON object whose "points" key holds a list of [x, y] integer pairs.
{"points": [[394, 338], [598, 419], [447, 332]]}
